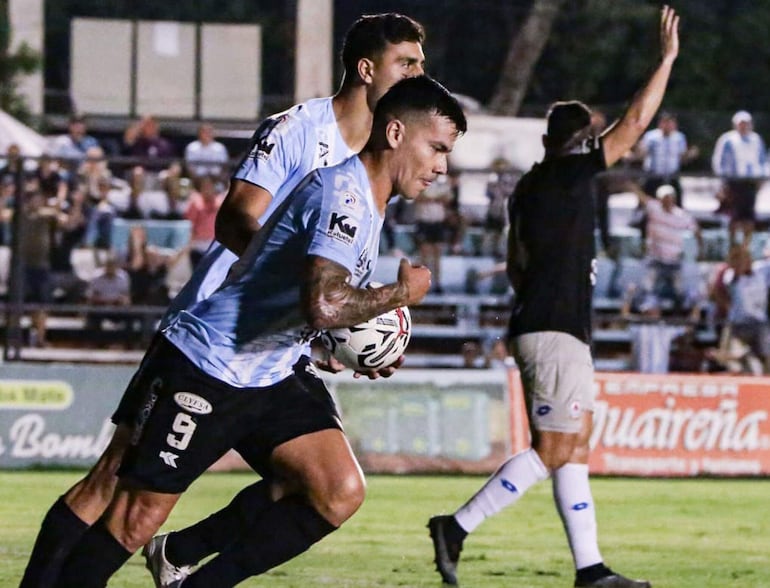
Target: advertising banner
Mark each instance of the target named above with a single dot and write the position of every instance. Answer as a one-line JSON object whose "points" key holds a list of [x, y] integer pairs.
{"points": [[672, 425], [57, 414]]}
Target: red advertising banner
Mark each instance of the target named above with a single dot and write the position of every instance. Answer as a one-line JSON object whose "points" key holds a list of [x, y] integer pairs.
{"points": [[672, 425]]}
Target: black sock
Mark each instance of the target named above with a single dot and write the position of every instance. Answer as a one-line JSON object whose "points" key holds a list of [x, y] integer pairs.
{"points": [[285, 529], [593, 573], [216, 532], [94, 559], [60, 530]]}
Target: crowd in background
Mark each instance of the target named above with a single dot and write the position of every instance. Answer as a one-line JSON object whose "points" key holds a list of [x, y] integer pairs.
{"points": [[73, 194]]}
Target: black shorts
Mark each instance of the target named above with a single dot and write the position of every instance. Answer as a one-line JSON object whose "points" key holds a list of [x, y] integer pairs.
{"points": [[189, 419], [134, 396]]}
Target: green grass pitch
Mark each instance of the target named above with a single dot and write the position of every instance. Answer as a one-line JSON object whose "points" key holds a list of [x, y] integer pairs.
{"points": [[678, 533]]}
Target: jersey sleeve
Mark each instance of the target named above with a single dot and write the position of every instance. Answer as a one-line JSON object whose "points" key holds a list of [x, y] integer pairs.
{"points": [[341, 233], [276, 152]]}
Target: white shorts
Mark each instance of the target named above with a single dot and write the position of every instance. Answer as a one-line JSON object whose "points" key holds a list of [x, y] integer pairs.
{"points": [[557, 374]]}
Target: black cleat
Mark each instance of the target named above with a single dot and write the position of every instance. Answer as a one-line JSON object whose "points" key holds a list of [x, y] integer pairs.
{"points": [[614, 580], [447, 553]]}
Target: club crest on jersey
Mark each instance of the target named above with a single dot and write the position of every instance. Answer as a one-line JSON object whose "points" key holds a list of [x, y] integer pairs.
{"points": [[350, 201], [342, 228], [192, 402]]}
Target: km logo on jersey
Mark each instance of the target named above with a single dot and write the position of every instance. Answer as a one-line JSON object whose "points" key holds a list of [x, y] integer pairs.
{"points": [[342, 228]]}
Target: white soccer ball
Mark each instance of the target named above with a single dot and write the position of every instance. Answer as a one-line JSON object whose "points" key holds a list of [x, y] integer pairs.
{"points": [[371, 345]]}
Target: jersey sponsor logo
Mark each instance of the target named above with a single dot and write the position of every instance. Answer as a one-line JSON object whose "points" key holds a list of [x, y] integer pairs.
{"points": [[261, 146], [192, 403], [341, 228], [263, 150]]}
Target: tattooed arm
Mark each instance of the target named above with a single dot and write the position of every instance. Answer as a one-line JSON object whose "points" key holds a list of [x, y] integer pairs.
{"points": [[329, 301]]}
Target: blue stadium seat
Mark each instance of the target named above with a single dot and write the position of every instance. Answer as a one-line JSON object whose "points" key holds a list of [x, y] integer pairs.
{"points": [[171, 234]]}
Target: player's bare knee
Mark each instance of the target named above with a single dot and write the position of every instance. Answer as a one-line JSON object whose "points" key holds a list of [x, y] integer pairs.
{"points": [[555, 449], [341, 500]]}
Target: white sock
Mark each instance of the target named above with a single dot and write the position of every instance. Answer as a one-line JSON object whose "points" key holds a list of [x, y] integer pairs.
{"points": [[572, 494], [507, 484]]}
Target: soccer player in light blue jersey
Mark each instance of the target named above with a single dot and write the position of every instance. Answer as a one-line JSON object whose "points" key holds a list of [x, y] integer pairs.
{"points": [[378, 51], [221, 374]]}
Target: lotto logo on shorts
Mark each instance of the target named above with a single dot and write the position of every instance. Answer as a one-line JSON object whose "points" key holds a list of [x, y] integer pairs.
{"points": [[192, 402], [542, 410]]}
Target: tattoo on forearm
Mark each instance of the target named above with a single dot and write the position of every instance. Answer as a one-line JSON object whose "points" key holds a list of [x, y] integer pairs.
{"points": [[332, 302]]}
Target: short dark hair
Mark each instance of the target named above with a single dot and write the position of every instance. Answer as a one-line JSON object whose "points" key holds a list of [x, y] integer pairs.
{"points": [[564, 120], [369, 35], [419, 94]]}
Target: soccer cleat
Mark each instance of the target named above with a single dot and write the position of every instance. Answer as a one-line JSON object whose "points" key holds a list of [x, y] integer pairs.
{"points": [[447, 553], [614, 581], [164, 573]]}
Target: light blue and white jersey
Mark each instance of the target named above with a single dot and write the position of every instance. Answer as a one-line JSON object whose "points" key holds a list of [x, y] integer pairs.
{"points": [[251, 331], [664, 152], [739, 156], [284, 149]]}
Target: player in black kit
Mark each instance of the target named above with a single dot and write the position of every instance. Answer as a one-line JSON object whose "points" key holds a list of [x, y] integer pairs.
{"points": [[551, 267]]}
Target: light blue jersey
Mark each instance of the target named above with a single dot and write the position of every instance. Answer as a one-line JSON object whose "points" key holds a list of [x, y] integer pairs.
{"points": [[284, 149], [250, 332]]}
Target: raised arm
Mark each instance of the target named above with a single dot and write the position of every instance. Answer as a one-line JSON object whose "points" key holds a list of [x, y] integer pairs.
{"points": [[329, 301], [624, 134]]}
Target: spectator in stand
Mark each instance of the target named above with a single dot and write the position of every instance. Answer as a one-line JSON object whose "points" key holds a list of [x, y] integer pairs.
{"points": [[174, 188], [206, 156], [472, 355], [430, 213], [742, 291], [740, 158], [72, 148], [71, 233], [100, 215], [663, 151], [38, 224], [137, 182], [10, 164], [202, 212], [667, 226], [91, 170], [110, 288], [51, 181], [148, 268], [499, 188], [143, 139]]}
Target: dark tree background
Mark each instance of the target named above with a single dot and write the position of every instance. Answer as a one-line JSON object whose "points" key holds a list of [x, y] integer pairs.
{"points": [[598, 50]]}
